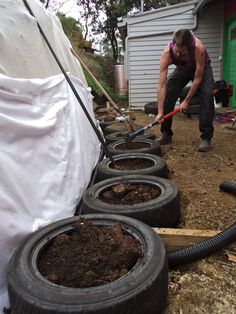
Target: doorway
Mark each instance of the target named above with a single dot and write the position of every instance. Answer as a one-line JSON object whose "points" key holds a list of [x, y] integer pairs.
{"points": [[229, 60]]}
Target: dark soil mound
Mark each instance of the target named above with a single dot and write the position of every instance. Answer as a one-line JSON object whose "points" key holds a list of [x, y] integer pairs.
{"points": [[129, 194], [132, 164], [89, 256], [133, 145]]}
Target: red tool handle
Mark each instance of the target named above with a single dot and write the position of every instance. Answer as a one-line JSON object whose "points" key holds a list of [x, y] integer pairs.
{"points": [[170, 114], [131, 136], [167, 116]]}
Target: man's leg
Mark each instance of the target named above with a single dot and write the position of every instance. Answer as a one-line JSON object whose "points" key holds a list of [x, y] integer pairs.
{"points": [[175, 84], [207, 109]]}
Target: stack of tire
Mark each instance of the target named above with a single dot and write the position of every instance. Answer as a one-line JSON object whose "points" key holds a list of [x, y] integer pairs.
{"points": [[151, 108], [163, 211], [144, 288], [194, 105]]}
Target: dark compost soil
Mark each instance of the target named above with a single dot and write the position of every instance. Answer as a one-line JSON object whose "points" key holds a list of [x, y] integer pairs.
{"points": [[129, 194], [132, 164], [89, 256], [132, 145]]}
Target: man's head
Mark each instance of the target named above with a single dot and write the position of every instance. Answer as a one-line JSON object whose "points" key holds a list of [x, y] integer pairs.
{"points": [[182, 40], [183, 37]]}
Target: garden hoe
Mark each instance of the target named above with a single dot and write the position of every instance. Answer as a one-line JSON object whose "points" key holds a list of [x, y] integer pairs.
{"points": [[129, 137]]}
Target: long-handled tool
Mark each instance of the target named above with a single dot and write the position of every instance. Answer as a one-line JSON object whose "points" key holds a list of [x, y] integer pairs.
{"points": [[132, 135], [126, 119]]}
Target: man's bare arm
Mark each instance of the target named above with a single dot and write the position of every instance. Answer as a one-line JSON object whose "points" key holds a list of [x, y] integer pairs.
{"points": [[165, 61], [200, 65]]}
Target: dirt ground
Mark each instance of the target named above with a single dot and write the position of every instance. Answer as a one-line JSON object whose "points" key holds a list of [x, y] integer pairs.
{"points": [[207, 286]]}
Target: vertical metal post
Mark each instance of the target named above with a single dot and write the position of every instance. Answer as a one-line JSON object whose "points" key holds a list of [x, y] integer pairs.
{"points": [[142, 5]]}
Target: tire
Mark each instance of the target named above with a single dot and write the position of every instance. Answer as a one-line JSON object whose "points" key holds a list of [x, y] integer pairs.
{"points": [[154, 147], [110, 129], [119, 128], [151, 108], [142, 290], [163, 211], [99, 107], [184, 92], [120, 135], [104, 124], [159, 167], [193, 110], [194, 105]]}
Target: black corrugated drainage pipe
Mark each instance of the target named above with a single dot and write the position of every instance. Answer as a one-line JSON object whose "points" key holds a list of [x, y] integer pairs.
{"points": [[203, 249], [209, 246], [228, 187]]}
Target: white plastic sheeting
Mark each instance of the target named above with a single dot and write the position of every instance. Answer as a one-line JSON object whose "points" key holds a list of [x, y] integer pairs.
{"points": [[48, 151], [23, 51]]}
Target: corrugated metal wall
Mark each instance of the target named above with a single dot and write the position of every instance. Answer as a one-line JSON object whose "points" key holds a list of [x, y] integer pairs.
{"points": [[144, 48]]}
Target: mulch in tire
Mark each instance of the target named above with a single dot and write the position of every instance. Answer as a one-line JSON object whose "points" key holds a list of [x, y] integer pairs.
{"points": [[136, 146], [130, 164], [129, 194], [141, 290], [90, 256], [132, 145], [148, 198]]}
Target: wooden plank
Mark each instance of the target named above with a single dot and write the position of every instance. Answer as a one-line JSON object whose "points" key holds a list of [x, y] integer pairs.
{"points": [[176, 239]]}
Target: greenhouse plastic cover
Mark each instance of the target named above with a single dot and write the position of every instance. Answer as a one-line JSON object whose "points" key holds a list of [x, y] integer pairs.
{"points": [[23, 50], [48, 152], [48, 147]]}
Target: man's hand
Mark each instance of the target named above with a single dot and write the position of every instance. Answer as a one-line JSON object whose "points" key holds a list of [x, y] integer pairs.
{"points": [[184, 105], [159, 117]]}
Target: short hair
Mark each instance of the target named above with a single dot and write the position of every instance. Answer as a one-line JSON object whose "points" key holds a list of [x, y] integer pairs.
{"points": [[183, 37]]}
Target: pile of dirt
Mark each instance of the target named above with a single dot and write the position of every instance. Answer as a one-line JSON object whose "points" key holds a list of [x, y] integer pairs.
{"points": [[207, 286], [90, 256], [129, 194], [132, 164]]}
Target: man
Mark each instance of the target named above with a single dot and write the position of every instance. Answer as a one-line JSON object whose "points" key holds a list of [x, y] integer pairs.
{"points": [[192, 62]]}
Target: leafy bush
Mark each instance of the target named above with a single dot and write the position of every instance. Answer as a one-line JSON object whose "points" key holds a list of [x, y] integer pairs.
{"points": [[101, 67]]}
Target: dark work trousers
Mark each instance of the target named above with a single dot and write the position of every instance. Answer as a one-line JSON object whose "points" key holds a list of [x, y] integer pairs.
{"points": [[177, 80]]}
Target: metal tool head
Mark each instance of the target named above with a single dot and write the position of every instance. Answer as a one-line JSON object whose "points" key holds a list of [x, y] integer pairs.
{"points": [[129, 137]]}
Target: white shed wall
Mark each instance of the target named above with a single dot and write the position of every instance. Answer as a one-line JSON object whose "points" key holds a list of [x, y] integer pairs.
{"points": [[210, 31]]}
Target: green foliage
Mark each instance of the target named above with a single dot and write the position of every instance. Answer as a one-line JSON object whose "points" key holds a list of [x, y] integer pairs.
{"points": [[73, 31], [153, 4], [69, 24], [101, 67], [103, 70], [113, 10], [119, 100]]}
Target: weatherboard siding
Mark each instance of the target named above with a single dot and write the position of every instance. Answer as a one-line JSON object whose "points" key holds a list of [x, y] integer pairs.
{"points": [[210, 31], [144, 49]]}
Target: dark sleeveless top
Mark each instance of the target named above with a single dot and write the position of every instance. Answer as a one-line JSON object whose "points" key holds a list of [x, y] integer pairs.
{"points": [[191, 63]]}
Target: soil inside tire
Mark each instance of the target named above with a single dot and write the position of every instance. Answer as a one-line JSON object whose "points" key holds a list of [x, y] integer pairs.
{"points": [[132, 164], [89, 256], [129, 194], [132, 145]]}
